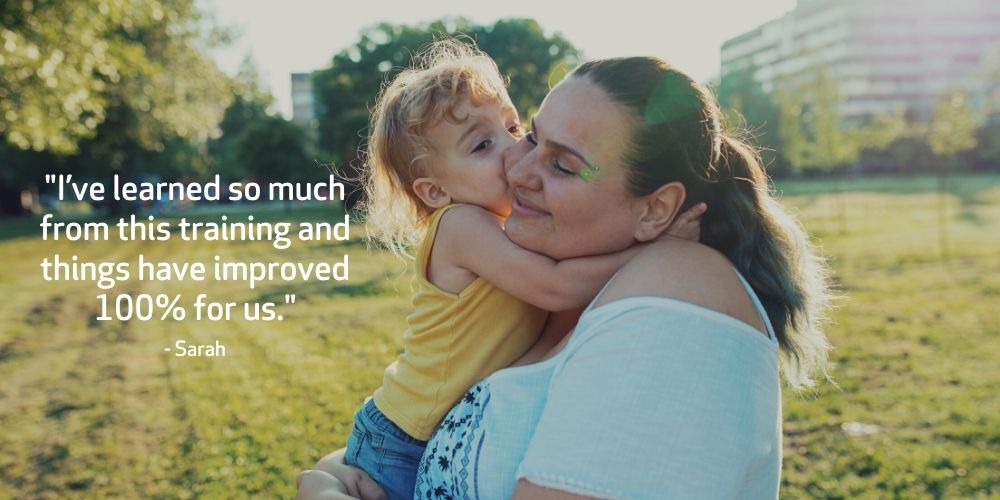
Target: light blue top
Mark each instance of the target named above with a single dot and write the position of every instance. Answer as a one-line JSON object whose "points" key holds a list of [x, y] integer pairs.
{"points": [[651, 398]]}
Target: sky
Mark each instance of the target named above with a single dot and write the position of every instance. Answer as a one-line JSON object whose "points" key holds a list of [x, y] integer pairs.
{"points": [[303, 35]]}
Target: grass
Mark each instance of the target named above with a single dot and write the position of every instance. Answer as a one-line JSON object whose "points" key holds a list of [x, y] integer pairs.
{"points": [[916, 348], [96, 409]]}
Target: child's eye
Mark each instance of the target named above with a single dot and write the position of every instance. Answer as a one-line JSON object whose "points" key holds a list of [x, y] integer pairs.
{"points": [[516, 130], [482, 145]]}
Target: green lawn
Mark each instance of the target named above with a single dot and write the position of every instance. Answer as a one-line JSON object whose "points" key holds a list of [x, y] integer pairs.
{"points": [[97, 409]]}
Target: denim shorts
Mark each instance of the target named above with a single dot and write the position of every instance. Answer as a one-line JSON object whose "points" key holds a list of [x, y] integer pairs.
{"points": [[383, 450]]}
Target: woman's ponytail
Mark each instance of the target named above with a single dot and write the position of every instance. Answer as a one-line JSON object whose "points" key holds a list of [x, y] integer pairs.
{"points": [[678, 138], [773, 252]]}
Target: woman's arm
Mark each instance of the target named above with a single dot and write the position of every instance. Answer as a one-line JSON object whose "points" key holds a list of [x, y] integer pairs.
{"points": [[526, 490], [319, 485], [332, 479]]}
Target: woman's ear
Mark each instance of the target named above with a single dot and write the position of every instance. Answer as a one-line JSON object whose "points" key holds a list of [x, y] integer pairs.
{"points": [[431, 193], [659, 210]]}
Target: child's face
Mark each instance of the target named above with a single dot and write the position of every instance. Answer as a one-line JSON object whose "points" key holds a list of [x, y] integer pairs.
{"points": [[467, 159]]}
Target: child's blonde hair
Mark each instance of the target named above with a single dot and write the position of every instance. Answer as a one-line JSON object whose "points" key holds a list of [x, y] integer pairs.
{"points": [[438, 81]]}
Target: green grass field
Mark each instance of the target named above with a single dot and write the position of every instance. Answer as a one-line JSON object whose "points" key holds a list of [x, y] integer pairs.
{"points": [[94, 408]]}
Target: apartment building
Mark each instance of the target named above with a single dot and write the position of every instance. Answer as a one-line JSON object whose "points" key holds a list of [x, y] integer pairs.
{"points": [[884, 54], [303, 100]]}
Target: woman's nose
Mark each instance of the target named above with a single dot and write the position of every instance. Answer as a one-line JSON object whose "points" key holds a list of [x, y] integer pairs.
{"points": [[517, 162]]}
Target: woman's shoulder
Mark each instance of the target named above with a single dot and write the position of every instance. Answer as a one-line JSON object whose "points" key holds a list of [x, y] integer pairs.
{"points": [[685, 271]]}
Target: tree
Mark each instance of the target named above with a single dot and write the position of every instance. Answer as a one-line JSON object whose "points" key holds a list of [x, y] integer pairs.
{"points": [[910, 152], [531, 60], [815, 136], [988, 143], [811, 127], [347, 89], [250, 106], [274, 150], [953, 126], [14, 177], [951, 132], [52, 84], [117, 87], [988, 135], [812, 131], [746, 105]]}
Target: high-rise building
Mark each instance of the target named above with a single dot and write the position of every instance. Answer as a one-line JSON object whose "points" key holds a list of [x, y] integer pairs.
{"points": [[884, 54], [303, 99]]}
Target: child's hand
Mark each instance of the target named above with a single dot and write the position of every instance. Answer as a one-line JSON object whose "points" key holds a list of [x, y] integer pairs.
{"points": [[687, 226]]}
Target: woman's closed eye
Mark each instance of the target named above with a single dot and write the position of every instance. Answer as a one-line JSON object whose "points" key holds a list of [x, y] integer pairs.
{"points": [[561, 169], [558, 167]]}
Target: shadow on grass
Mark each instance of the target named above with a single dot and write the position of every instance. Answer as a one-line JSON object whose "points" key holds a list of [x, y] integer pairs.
{"points": [[967, 215], [968, 187], [20, 227], [339, 244]]}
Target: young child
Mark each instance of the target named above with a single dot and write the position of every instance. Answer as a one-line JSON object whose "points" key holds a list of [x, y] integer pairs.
{"points": [[435, 179]]}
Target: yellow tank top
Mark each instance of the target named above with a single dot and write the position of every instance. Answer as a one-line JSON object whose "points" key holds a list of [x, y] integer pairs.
{"points": [[453, 341]]}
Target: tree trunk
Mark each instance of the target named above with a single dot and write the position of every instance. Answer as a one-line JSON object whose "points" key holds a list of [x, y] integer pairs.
{"points": [[943, 211], [838, 191]]}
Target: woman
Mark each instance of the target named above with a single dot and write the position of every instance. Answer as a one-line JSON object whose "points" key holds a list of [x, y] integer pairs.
{"points": [[668, 387]]}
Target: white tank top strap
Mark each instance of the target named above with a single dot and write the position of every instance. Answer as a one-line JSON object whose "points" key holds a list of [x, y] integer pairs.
{"points": [[746, 285], [760, 307], [603, 288]]}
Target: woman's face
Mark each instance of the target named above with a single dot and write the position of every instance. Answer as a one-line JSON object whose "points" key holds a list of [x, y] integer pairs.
{"points": [[568, 179]]}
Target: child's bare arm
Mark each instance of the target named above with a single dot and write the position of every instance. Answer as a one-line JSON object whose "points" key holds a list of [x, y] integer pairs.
{"points": [[473, 238]]}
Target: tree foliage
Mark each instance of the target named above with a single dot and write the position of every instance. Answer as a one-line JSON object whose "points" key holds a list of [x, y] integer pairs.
{"points": [[815, 136], [811, 128], [952, 128], [68, 67], [988, 144], [249, 107], [952, 131], [274, 149], [746, 106], [347, 89]]}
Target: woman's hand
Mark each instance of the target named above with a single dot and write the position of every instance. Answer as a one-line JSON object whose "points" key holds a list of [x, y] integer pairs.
{"points": [[687, 226], [332, 479]]}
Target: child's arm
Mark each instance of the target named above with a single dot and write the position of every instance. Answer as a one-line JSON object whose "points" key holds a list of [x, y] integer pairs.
{"points": [[472, 238]]}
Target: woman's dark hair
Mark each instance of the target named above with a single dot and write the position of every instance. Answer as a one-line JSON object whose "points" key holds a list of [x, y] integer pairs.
{"points": [[677, 137]]}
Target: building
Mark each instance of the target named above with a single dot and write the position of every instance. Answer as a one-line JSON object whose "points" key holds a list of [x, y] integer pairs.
{"points": [[303, 100], [884, 54]]}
